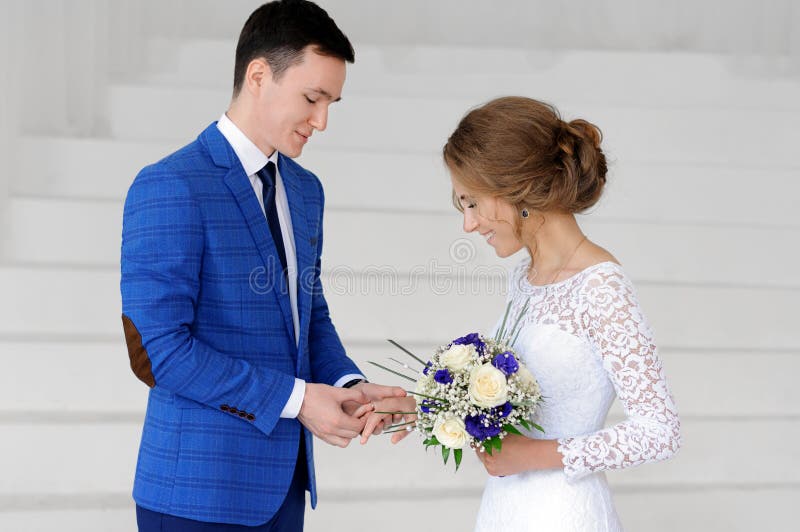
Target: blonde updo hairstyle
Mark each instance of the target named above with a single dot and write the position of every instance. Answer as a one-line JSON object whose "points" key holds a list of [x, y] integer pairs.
{"points": [[519, 150]]}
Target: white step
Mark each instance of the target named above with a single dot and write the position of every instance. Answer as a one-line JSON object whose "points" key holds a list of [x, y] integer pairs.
{"points": [[53, 458], [633, 134], [69, 458], [102, 168], [641, 78], [718, 509], [79, 378], [71, 520], [696, 463], [60, 302], [731, 195], [715, 509], [79, 231], [92, 380], [701, 383], [130, 118], [84, 303], [81, 167], [203, 61], [89, 232]]}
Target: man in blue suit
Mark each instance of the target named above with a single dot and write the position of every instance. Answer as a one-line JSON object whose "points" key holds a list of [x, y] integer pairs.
{"points": [[223, 311]]}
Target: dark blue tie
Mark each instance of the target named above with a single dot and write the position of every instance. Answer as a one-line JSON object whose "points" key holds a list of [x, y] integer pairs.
{"points": [[267, 176]]}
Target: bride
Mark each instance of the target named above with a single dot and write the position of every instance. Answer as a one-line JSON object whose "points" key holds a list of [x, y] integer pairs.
{"points": [[520, 174]]}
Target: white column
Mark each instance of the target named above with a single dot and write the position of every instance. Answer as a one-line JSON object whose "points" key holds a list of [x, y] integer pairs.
{"points": [[794, 36], [10, 37], [42, 55], [87, 34], [69, 51]]}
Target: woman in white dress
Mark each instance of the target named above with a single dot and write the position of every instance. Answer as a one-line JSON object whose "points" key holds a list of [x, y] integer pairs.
{"points": [[520, 174]]}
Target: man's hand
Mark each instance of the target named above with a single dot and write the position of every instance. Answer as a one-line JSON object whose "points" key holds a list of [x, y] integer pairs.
{"points": [[376, 421], [323, 413], [375, 393]]}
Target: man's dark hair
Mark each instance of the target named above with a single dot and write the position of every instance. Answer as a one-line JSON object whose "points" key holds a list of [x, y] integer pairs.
{"points": [[279, 31]]}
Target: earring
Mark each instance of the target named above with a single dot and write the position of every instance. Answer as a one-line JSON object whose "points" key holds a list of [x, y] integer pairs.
{"points": [[525, 213]]}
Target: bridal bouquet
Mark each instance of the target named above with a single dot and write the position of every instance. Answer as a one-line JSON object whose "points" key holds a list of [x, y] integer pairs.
{"points": [[472, 393]]}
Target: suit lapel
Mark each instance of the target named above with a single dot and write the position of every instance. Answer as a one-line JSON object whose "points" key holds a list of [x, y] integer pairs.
{"points": [[302, 243], [241, 188]]}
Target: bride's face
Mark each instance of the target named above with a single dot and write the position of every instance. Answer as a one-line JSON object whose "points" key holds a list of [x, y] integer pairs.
{"points": [[492, 217]]}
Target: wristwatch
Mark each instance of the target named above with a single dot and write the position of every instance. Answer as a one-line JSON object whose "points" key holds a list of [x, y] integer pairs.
{"points": [[350, 384]]}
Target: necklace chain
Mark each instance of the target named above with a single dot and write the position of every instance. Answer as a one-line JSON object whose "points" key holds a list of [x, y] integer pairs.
{"points": [[533, 272], [566, 262]]}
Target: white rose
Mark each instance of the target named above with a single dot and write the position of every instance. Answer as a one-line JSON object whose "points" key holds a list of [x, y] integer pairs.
{"points": [[458, 357], [487, 386], [525, 379], [451, 432]]}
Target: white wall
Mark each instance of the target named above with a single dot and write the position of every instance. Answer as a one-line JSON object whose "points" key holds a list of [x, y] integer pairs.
{"points": [[9, 91], [700, 125]]}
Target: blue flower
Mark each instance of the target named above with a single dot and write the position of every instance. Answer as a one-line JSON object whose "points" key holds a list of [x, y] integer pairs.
{"points": [[503, 410], [474, 339], [427, 404], [506, 362], [443, 376], [476, 427], [427, 367]]}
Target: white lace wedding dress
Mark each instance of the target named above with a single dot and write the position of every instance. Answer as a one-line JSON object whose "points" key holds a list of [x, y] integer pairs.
{"points": [[586, 340]]}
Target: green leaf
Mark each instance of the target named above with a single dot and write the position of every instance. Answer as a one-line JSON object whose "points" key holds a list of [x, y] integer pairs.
{"points": [[406, 351], [537, 427], [519, 319], [501, 331], [497, 442], [457, 453], [428, 396], [445, 453], [511, 429], [392, 371], [487, 446], [525, 423]]}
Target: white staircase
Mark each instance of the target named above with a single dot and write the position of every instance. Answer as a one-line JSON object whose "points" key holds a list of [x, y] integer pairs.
{"points": [[700, 209]]}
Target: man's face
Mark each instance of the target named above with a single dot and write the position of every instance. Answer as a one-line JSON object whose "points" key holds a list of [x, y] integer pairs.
{"points": [[293, 107]]}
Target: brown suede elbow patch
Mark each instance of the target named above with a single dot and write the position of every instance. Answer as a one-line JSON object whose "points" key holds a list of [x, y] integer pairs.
{"points": [[140, 360]]}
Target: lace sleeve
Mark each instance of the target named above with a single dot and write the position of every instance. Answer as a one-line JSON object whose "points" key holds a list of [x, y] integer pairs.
{"points": [[621, 336]]}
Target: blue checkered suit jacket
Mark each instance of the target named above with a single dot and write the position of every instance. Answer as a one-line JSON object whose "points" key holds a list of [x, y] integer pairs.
{"points": [[208, 325]]}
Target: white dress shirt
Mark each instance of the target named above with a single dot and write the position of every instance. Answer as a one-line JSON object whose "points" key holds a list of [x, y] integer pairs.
{"points": [[253, 160]]}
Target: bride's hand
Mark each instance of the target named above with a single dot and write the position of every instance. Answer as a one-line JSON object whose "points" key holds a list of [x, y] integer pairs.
{"points": [[377, 421], [521, 454], [512, 459]]}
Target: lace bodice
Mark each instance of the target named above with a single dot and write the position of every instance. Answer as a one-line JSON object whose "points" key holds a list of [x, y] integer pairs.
{"points": [[586, 340]]}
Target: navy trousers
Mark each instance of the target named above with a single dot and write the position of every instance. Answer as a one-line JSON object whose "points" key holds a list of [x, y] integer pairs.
{"points": [[288, 518]]}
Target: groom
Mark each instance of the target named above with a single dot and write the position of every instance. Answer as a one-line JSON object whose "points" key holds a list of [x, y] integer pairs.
{"points": [[223, 311]]}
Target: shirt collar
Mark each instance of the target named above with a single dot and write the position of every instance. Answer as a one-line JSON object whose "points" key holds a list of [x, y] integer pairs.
{"points": [[252, 158]]}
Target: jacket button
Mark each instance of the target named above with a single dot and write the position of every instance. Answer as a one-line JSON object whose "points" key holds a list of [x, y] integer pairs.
{"points": [[233, 410], [224, 408], [242, 414], [251, 417]]}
